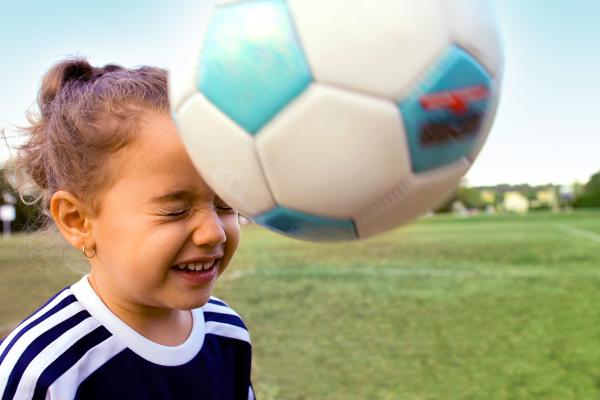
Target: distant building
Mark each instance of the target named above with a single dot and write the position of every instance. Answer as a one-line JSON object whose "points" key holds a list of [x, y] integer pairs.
{"points": [[546, 198], [488, 196], [516, 202]]}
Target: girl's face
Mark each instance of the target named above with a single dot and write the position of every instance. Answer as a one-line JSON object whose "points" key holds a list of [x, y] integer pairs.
{"points": [[158, 215]]}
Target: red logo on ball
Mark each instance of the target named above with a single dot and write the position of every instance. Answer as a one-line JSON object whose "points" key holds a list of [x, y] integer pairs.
{"points": [[456, 101]]}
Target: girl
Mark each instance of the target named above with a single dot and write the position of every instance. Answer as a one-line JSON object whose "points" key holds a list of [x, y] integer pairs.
{"points": [[118, 184]]}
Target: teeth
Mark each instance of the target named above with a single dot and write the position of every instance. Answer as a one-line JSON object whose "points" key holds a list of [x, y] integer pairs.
{"points": [[196, 266]]}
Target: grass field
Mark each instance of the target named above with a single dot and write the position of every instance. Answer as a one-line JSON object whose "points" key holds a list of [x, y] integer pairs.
{"points": [[502, 307]]}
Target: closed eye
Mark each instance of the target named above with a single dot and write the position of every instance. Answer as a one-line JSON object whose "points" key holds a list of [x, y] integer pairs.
{"points": [[174, 213], [177, 213], [221, 205]]}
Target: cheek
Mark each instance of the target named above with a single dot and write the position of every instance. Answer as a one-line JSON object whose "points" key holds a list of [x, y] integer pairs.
{"points": [[138, 247], [160, 244], [233, 232]]}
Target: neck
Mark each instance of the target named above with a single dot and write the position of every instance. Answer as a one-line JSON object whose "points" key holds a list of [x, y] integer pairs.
{"points": [[168, 327]]}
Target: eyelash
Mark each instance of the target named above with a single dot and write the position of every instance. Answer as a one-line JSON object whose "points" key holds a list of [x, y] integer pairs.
{"points": [[175, 213], [178, 213]]}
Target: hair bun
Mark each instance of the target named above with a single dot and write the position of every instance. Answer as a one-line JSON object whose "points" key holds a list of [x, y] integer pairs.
{"points": [[59, 76], [111, 68]]}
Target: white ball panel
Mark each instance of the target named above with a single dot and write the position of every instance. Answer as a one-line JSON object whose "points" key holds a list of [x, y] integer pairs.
{"points": [[224, 154], [183, 72], [474, 26], [410, 199], [378, 48], [308, 169]]}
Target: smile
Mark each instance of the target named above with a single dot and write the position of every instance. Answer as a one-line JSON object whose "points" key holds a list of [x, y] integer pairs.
{"points": [[196, 266], [199, 273]]}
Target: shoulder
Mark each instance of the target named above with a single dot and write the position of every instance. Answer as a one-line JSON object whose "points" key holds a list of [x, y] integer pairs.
{"points": [[222, 320], [38, 350]]}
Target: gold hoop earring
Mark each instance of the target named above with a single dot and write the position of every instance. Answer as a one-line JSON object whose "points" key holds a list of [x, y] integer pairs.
{"points": [[85, 254]]}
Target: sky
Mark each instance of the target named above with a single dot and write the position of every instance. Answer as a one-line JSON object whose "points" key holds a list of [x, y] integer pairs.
{"points": [[547, 128]]}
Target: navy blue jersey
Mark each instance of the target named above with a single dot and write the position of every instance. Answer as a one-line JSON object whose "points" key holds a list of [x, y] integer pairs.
{"points": [[74, 347]]}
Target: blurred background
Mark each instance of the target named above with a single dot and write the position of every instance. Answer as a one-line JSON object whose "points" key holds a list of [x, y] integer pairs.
{"points": [[492, 297]]}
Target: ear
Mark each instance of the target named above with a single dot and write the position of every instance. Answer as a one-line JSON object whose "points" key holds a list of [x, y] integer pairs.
{"points": [[72, 217]]}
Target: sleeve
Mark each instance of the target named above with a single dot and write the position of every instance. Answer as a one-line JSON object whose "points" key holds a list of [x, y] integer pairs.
{"points": [[251, 392], [17, 387]]}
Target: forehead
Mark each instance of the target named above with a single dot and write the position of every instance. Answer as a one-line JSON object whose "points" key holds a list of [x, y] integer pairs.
{"points": [[156, 162]]}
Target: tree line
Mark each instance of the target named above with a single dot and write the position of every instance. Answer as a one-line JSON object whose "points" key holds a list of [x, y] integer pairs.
{"points": [[578, 195]]}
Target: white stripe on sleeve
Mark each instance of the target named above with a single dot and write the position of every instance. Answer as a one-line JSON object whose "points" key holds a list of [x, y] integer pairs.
{"points": [[28, 337], [34, 317], [47, 356], [227, 330], [216, 308], [67, 384]]}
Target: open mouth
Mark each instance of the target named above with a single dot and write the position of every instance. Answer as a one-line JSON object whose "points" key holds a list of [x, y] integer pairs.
{"points": [[198, 272], [197, 267]]}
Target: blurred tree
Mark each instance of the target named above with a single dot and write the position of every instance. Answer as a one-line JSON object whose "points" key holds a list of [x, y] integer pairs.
{"points": [[469, 197], [590, 195]]}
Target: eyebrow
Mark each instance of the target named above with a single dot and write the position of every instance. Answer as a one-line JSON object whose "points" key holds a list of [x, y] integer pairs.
{"points": [[177, 195]]}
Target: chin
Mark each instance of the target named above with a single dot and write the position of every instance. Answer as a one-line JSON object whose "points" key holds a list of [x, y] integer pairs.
{"points": [[191, 302]]}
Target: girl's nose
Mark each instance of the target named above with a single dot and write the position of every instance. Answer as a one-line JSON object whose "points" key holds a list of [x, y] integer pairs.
{"points": [[209, 230]]}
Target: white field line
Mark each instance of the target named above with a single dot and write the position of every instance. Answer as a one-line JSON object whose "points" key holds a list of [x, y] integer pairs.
{"points": [[579, 232], [500, 273]]}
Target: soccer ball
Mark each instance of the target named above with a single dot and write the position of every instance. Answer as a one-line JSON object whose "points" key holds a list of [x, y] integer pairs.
{"points": [[332, 120]]}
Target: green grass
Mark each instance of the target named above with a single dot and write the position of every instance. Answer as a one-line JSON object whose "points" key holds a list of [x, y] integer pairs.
{"points": [[502, 307]]}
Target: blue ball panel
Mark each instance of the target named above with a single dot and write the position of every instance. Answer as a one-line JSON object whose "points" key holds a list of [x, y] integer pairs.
{"points": [[252, 64], [306, 226], [443, 115]]}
